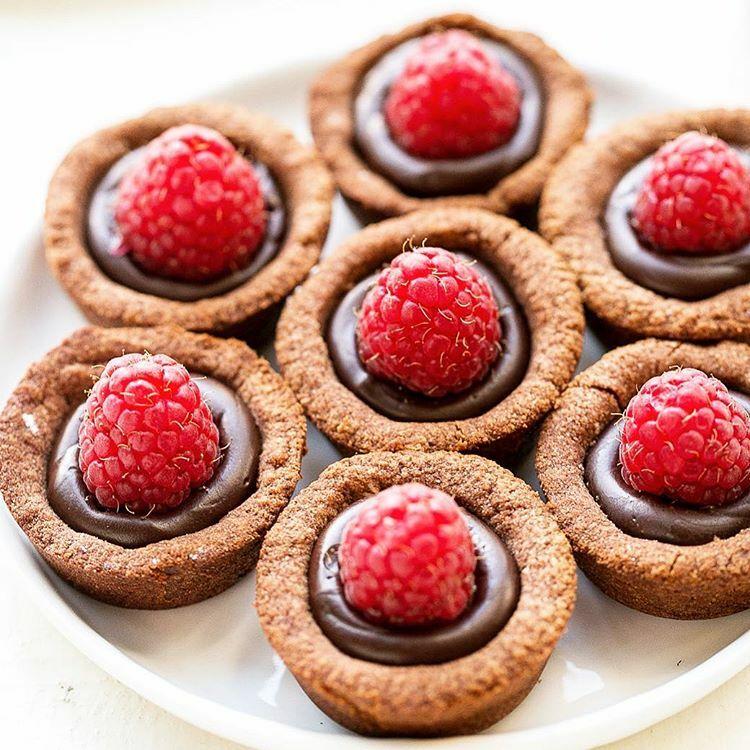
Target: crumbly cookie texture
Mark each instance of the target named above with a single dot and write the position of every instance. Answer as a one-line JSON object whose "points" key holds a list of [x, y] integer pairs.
{"points": [[572, 206], [541, 282], [685, 582], [176, 571], [456, 697], [567, 102], [302, 177]]}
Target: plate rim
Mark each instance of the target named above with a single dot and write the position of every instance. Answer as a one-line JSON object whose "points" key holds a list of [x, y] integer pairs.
{"points": [[601, 726], [598, 727]]}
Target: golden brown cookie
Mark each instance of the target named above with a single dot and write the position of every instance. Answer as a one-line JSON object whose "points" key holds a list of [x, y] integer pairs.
{"points": [[306, 190], [667, 580], [571, 217], [566, 100], [173, 572], [455, 697], [540, 282]]}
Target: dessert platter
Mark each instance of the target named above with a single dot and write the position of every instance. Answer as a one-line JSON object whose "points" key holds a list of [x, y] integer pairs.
{"points": [[399, 410]]}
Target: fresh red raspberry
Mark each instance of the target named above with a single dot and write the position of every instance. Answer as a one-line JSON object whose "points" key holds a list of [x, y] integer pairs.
{"points": [[695, 199], [408, 557], [430, 323], [147, 437], [453, 99], [192, 208], [686, 438]]}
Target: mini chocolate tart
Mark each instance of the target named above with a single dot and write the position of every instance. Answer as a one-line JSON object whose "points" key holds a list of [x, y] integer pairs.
{"points": [[180, 557], [379, 176], [662, 558], [634, 290], [80, 230], [460, 695], [542, 324]]}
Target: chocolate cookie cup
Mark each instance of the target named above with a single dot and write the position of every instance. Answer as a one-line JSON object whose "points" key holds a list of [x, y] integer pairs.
{"points": [[548, 305], [464, 695], [564, 100], [684, 581], [574, 217], [176, 571], [291, 171]]}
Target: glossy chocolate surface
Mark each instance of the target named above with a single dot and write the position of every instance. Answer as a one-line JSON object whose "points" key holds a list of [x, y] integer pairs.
{"points": [[498, 587], [103, 238], [232, 482], [425, 177], [647, 516], [401, 404], [680, 275]]}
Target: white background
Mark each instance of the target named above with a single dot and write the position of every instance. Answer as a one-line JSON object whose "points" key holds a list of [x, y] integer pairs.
{"points": [[67, 68]]}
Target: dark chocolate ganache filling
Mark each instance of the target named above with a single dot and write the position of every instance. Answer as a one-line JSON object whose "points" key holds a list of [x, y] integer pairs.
{"points": [[104, 238], [498, 587], [420, 176], [402, 404], [680, 275], [232, 482], [647, 516]]}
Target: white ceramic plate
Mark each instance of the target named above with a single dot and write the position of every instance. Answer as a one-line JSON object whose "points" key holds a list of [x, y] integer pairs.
{"points": [[614, 672]]}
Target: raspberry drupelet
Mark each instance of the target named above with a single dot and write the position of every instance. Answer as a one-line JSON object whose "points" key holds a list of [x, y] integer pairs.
{"points": [[408, 557], [430, 323], [192, 207], [147, 437], [686, 438], [695, 198], [453, 99]]}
